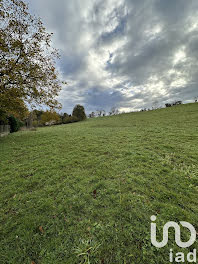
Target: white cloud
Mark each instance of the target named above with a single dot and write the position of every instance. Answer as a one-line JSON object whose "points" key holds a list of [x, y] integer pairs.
{"points": [[125, 53], [179, 56]]}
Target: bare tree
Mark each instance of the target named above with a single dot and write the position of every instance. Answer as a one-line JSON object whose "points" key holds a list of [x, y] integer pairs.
{"points": [[91, 115], [114, 111], [100, 112]]}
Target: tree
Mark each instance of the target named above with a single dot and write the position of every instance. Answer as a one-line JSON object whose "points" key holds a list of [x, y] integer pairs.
{"points": [[64, 117], [37, 115], [27, 60], [15, 107], [3, 117], [101, 113], [79, 112], [50, 117], [92, 115], [114, 111]]}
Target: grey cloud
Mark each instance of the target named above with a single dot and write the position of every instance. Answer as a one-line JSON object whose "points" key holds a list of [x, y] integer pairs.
{"points": [[102, 71], [72, 65], [102, 98]]}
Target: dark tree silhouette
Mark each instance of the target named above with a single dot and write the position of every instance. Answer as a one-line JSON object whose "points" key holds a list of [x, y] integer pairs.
{"points": [[79, 112]]}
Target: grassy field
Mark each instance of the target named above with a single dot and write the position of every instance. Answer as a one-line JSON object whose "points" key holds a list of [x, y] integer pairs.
{"points": [[84, 192]]}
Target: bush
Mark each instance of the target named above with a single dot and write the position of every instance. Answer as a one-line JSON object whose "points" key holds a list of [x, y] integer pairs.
{"points": [[35, 123], [70, 119], [14, 123], [74, 119]]}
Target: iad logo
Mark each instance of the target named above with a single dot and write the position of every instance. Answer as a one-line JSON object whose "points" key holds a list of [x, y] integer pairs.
{"points": [[177, 234], [179, 256]]}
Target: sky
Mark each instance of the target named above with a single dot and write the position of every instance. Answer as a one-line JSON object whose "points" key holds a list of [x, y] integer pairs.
{"points": [[128, 54]]}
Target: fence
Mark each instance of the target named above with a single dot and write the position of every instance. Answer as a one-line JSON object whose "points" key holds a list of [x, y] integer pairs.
{"points": [[4, 130]]}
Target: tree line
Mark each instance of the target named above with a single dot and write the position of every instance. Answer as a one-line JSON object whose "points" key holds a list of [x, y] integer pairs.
{"points": [[48, 118], [38, 118]]}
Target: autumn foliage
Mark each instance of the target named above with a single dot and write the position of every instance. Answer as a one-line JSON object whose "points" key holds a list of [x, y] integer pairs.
{"points": [[27, 60]]}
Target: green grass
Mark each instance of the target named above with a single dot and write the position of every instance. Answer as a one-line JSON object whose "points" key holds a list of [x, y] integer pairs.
{"points": [[84, 192]]}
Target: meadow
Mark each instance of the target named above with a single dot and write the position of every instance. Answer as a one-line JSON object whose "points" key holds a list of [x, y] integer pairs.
{"points": [[85, 192]]}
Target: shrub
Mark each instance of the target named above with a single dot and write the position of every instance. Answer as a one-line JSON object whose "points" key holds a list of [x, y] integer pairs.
{"points": [[70, 119], [14, 124], [35, 123], [74, 119]]}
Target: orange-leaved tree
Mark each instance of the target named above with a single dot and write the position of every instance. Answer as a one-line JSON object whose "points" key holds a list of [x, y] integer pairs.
{"points": [[27, 59]]}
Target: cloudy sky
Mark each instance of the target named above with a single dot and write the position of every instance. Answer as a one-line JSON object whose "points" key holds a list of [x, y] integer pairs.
{"points": [[130, 54]]}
